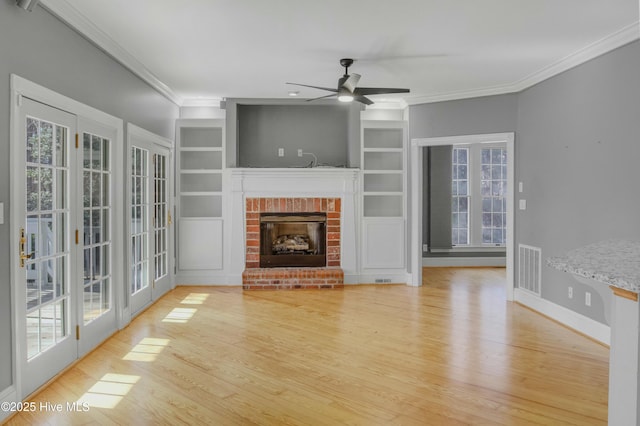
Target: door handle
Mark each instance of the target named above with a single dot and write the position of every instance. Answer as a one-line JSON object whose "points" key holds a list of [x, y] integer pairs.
{"points": [[23, 255], [169, 220]]}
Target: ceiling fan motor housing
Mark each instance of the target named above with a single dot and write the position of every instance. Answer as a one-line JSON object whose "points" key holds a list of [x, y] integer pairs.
{"points": [[346, 62]]}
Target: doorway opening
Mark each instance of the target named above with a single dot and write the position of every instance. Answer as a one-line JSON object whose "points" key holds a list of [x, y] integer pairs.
{"points": [[417, 168]]}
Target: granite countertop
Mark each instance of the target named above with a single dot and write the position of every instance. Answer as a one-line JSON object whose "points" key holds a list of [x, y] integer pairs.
{"points": [[612, 262]]}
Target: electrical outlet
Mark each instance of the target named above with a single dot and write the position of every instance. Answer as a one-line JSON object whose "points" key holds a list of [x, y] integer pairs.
{"points": [[587, 298], [299, 153], [570, 292], [280, 152]]}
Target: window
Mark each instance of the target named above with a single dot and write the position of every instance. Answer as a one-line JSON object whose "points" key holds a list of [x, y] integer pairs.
{"points": [[460, 197], [478, 195]]}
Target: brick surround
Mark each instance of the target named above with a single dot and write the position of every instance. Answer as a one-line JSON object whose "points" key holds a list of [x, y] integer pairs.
{"points": [[254, 277]]}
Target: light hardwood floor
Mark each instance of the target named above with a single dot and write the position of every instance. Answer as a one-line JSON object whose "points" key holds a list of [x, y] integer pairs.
{"points": [[451, 352]]}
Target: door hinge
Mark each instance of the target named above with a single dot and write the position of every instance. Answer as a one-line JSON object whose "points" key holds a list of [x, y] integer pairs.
{"points": [[153, 284], [77, 237], [77, 141], [77, 332]]}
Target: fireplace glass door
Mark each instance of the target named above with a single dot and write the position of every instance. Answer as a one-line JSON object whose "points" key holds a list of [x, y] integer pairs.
{"points": [[293, 240]]}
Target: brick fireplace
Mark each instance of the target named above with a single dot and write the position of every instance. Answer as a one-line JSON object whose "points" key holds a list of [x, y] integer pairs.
{"points": [[274, 278]]}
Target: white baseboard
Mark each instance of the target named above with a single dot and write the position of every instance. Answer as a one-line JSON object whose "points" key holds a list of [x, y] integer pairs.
{"points": [[383, 277], [585, 325], [7, 395], [205, 279], [464, 261]]}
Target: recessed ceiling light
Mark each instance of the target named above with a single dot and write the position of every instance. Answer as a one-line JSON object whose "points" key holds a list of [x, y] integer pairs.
{"points": [[293, 93]]}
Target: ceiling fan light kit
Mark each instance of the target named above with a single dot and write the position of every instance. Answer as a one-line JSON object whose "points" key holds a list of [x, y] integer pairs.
{"points": [[347, 90]]}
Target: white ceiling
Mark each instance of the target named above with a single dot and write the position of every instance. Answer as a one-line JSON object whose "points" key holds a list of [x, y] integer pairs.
{"points": [[200, 50]]}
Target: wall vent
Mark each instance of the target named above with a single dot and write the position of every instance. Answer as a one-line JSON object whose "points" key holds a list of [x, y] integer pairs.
{"points": [[382, 280], [529, 268]]}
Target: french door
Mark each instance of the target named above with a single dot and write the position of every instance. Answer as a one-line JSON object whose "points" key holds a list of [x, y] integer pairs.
{"points": [[62, 204], [151, 237], [97, 318]]}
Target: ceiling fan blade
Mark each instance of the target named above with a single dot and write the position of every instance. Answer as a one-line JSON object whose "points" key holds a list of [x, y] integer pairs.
{"points": [[351, 82], [377, 90], [315, 87], [321, 97], [362, 99]]}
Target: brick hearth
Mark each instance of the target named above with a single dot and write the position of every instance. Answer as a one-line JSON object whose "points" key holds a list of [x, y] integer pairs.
{"points": [[256, 278], [292, 278]]}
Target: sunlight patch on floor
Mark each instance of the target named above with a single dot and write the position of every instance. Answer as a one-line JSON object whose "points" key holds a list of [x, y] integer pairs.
{"points": [[195, 299], [109, 390], [147, 350], [180, 315]]}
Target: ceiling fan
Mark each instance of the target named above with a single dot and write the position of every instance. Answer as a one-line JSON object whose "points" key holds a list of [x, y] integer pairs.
{"points": [[348, 91]]}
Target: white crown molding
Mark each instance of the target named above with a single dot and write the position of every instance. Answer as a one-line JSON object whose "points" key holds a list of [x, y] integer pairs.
{"points": [[621, 37], [453, 96], [388, 104], [613, 41], [68, 14], [199, 102]]}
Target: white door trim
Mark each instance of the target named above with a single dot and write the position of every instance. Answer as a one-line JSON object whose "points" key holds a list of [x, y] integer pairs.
{"points": [[417, 190]]}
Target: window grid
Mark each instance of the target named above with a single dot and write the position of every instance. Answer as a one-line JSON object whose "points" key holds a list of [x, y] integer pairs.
{"points": [[47, 210], [139, 214], [460, 197], [160, 216], [493, 187], [97, 226]]}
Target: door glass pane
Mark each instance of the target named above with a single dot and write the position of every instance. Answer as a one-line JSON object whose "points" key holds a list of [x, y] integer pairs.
{"points": [[139, 211], [97, 229], [160, 216], [47, 186]]}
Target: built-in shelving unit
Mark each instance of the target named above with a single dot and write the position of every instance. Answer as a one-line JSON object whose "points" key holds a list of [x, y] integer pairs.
{"points": [[383, 168], [383, 193], [200, 166]]}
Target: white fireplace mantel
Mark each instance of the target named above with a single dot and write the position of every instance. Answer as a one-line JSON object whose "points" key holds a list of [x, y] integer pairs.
{"points": [[295, 182], [340, 183]]}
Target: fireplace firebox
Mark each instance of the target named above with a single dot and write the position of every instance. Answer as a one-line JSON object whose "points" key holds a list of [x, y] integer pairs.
{"points": [[293, 240]]}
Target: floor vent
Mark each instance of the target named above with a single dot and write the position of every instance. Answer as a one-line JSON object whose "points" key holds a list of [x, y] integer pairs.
{"points": [[529, 268]]}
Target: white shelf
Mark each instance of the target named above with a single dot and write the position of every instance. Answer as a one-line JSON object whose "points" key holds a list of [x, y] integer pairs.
{"points": [[197, 193], [392, 193], [382, 149], [201, 171], [202, 149], [383, 172]]}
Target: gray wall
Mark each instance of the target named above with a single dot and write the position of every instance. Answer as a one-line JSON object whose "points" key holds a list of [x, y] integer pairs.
{"points": [[490, 114], [319, 129], [437, 205], [577, 152], [578, 149], [40, 48], [256, 128]]}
